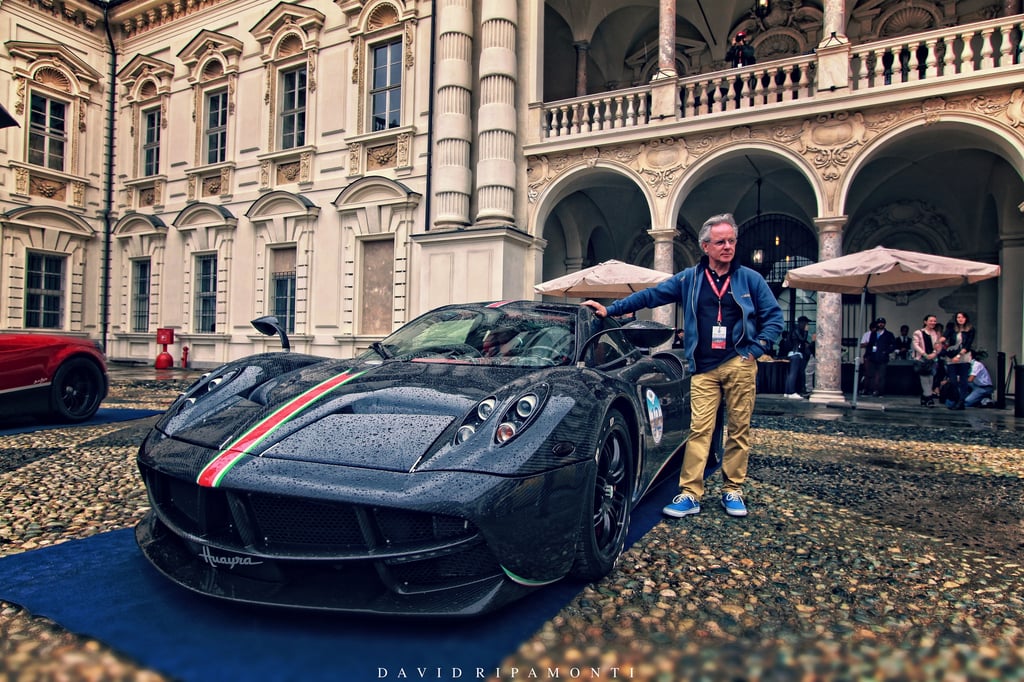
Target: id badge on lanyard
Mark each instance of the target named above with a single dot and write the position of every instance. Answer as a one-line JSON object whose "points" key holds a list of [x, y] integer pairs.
{"points": [[719, 333]]}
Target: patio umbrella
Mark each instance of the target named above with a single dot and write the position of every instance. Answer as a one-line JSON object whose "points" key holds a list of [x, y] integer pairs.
{"points": [[881, 270], [610, 279]]}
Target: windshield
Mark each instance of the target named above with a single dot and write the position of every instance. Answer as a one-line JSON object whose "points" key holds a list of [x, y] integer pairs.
{"points": [[506, 335]]}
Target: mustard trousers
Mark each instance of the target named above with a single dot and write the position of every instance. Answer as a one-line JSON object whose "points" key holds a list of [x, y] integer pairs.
{"points": [[735, 381]]}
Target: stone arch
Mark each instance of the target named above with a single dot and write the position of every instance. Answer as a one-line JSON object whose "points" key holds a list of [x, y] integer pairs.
{"points": [[53, 231], [569, 181], [575, 217], [706, 165], [50, 218], [987, 133]]}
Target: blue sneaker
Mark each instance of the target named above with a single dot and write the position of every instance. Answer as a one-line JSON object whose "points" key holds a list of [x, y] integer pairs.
{"points": [[733, 503], [682, 505]]}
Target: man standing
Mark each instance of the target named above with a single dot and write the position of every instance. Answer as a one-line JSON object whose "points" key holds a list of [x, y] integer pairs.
{"points": [[877, 345], [731, 317]]}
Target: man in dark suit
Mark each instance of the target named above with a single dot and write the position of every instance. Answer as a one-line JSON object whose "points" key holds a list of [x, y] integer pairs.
{"points": [[878, 346]]}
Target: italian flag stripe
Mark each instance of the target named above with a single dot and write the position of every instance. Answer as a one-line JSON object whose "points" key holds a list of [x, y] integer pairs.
{"points": [[213, 473]]}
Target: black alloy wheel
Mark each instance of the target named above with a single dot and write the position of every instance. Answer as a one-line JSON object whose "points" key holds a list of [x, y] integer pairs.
{"points": [[609, 502], [76, 391]]}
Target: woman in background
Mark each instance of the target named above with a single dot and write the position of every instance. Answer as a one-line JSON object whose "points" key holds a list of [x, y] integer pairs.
{"points": [[926, 346], [960, 339]]}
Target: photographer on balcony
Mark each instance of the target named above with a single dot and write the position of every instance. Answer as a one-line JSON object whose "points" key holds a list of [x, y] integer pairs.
{"points": [[740, 54]]}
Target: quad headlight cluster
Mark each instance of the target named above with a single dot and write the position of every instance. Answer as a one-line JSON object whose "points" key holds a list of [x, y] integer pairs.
{"points": [[519, 413]]}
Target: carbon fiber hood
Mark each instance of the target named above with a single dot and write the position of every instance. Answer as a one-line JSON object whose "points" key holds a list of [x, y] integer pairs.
{"points": [[370, 414]]}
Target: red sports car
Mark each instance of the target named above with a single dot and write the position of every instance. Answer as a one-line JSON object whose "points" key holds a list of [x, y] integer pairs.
{"points": [[60, 377]]}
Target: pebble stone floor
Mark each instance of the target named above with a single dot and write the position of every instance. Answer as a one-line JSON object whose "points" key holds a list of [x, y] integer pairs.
{"points": [[891, 550]]}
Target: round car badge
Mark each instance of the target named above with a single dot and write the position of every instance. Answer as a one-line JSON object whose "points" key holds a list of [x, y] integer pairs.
{"points": [[655, 415]]}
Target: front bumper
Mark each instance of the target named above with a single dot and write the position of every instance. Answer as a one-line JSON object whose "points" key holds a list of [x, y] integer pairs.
{"points": [[316, 536]]}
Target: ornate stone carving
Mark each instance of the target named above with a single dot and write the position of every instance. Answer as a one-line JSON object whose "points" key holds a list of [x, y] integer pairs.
{"points": [[288, 172], [50, 189], [905, 217], [212, 186], [403, 141], [381, 157]]}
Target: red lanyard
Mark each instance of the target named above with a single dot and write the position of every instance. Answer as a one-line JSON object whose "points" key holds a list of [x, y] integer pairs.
{"points": [[718, 292]]}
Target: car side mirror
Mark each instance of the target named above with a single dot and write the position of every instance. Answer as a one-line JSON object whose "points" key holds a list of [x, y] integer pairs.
{"points": [[268, 325]]}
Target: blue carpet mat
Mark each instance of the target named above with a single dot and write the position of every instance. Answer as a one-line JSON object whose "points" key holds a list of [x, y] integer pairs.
{"points": [[104, 415], [103, 588]]}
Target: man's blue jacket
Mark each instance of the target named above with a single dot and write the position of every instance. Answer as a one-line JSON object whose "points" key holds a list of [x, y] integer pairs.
{"points": [[762, 316]]}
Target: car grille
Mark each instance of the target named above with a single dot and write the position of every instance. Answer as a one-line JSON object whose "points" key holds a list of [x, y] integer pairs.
{"points": [[293, 528]]}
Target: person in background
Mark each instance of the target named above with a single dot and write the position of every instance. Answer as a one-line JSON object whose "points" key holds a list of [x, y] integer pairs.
{"points": [[740, 54], [879, 344], [798, 355], [925, 345], [903, 343], [731, 317], [979, 383], [960, 346]]}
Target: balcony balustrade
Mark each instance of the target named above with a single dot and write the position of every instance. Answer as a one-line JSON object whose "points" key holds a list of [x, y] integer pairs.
{"points": [[944, 55]]}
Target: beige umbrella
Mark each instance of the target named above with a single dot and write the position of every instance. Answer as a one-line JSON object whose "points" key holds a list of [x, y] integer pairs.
{"points": [[881, 270], [610, 279]]}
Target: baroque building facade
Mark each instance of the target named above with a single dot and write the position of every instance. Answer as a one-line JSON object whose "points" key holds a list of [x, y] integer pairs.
{"points": [[348, 165]]}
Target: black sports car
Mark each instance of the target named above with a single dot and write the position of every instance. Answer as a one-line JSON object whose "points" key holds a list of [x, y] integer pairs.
{"points": [[478, 452]]}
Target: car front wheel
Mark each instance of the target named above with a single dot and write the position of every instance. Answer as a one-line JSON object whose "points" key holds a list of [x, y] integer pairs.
{"points": [[76, 391], [608, 502]]}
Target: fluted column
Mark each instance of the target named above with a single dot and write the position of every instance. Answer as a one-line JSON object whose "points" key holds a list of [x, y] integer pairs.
{"points": [[453, 122], [828, 373], [664, 260], [582, 48], [496, 118], [666, 39]]}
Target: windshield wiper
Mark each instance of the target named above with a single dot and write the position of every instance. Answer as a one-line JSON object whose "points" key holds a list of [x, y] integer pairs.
{"points": [[381, 350]]}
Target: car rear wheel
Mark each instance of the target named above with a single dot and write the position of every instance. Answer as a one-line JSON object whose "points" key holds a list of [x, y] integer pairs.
{"points": [[608, 502], [76, 391]]}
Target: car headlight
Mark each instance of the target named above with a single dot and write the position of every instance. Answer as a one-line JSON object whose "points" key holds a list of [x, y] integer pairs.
{"points": [[475, 418], [520, 414], [517, 416]]}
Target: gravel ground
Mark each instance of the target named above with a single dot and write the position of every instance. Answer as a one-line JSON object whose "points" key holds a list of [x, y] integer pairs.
{"points": [[873, 552]]}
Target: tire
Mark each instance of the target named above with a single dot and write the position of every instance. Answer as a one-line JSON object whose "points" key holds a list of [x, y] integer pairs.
{"points": [[76, 391], [608, 502]]}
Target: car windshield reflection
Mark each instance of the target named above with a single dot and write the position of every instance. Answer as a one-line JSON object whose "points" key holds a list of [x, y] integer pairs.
{"points": [[504, 336]]}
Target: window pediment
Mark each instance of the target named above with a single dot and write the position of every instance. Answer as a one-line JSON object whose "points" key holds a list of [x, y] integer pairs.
{"points": [[288, 19], [145, 77], [33, 60], [207, 47]]}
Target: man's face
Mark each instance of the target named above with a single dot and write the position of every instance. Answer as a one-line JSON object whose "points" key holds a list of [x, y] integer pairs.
{"points": [[722, 245]]}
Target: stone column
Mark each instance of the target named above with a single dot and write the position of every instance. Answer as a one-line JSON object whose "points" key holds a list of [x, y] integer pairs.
{"points": [[828, 351], [453, 123], [834, 22], [1011, 299], [664, 260], [833, 50], [666, 39], [582, 47], [496, 118]]}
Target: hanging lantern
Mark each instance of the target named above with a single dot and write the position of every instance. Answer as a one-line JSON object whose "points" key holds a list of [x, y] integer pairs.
{"points": [[762, 8]]}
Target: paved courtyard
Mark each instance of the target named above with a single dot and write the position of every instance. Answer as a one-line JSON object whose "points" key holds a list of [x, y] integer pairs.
{"points": [[882, 544]]}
